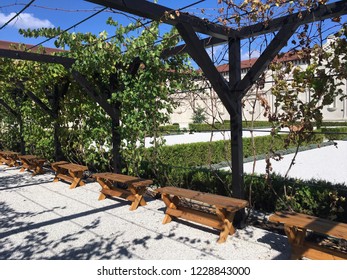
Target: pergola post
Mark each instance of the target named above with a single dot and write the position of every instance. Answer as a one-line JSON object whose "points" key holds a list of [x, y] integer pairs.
{"points": [[55, 104], [236, 119], [20, 123]]}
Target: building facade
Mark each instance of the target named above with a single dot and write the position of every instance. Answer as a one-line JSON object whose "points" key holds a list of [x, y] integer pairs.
{"points": [[205, 98]]}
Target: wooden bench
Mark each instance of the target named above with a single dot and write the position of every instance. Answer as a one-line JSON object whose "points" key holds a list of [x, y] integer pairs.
{"points": [[221, 217], [33, 163], [297, 226], [124, 186], [9, 158], [69, 172]]}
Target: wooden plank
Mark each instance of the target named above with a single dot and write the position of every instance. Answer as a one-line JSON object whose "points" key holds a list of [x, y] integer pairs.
{"points": [[271, 51], [124, 179], [229, 203], [119, 193], [65, 177], [318, 13], [9, 109], [323, 226], [314, 251], [195, 216], [73, 167]]}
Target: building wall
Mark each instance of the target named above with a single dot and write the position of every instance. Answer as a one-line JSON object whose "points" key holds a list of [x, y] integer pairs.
{"points": [[215, 111]]}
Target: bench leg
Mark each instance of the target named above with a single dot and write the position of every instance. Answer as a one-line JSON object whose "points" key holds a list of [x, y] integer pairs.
{"points": [[138, 197], [104, 185], [226, 219], [58, 171], [296, 237], [170, 203], [77, 179]]}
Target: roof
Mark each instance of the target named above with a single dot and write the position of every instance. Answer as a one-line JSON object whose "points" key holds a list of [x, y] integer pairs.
{"points": [[248, 63]]}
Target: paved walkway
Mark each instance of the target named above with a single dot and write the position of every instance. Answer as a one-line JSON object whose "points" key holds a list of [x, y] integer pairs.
{"points": [[40, 219]]}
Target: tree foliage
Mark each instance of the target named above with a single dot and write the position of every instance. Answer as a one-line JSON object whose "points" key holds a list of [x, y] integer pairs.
{"points": [[109, 66]]}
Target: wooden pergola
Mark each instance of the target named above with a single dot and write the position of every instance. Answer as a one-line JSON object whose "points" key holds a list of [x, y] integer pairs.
{"points": [[230, 92]]}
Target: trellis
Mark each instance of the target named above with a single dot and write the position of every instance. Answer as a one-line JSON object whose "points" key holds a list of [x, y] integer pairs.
{"points": [[230, 92]]}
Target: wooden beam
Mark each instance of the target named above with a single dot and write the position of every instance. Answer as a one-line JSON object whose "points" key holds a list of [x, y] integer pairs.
{"points": [[266, 57], [9, 109], [102, 101], [236, 119], [322, 12], [167, 15], [65, 61], [207, 42], [197, 51], [38, 101]]}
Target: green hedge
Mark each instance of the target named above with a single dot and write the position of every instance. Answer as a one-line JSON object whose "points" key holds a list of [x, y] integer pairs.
{"points": [[206, 153], [170, 127], [331, 123], [198, 127], [319, 198], [335, 133], [313, 197], [226, 125]]}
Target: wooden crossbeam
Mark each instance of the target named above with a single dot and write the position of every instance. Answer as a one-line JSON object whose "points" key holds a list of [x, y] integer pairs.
{"points": [[22, 55], [322, 12], [197, 51], [9, 109], [101, 100], [167, 15], [266, 57], [38, 101]]}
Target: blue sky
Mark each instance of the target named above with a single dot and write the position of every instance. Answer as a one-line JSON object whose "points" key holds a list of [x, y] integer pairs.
{"points": [[66, 13]]}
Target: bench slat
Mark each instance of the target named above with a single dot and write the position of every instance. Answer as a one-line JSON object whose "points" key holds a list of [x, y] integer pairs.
{"points": [[229, 203], [196, 216], [65, 177], [73, 167], [315, 224], [124, 179]]}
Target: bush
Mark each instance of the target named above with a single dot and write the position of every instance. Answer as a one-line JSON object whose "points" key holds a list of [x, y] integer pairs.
{"points": [[313, 197], [206, 153], [335, 133], [200, 127], [173, 128]]}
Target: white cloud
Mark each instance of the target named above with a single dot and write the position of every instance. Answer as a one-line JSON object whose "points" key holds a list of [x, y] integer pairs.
{"points": [[249, 55], [25, 21]]}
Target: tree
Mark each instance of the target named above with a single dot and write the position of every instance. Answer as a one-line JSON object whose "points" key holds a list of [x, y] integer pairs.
{"points": [[133, 84], [199, 115]]}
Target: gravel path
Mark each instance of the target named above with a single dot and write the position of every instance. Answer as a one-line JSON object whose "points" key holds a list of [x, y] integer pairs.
{"points": [[328, 163], [45, 220]]}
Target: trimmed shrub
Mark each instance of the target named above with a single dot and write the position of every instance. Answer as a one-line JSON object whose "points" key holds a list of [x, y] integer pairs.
{"points": [[200, 127], [313, 197], [206, 153], [335, 133]]}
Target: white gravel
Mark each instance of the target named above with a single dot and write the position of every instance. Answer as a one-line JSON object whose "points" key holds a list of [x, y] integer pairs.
{"points": [[328, 163], [44, 220]]}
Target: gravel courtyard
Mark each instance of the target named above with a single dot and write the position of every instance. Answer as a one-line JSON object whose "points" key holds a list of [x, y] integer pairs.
{"points": [[45, 220]]}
